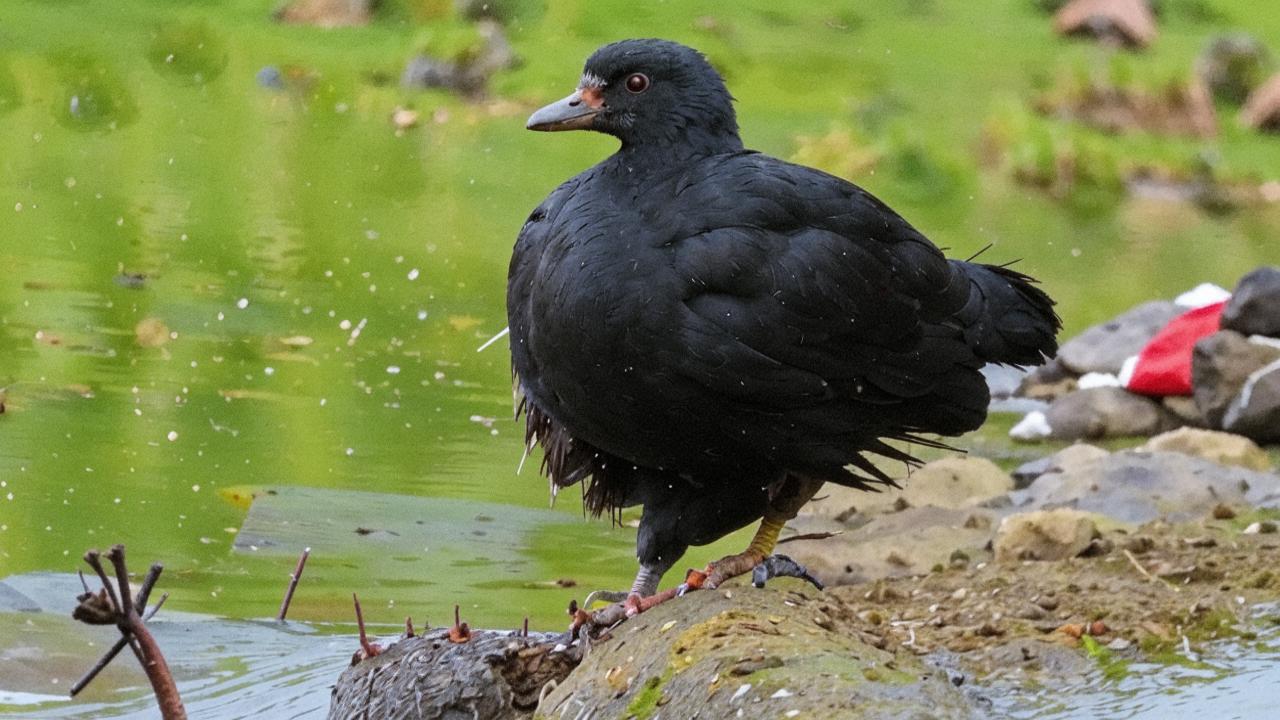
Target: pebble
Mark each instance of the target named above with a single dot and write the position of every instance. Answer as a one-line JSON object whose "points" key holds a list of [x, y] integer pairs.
{"points": [[1265, 527]]}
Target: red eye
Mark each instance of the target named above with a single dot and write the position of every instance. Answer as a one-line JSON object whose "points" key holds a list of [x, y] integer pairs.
{"points": [[637, 83]]}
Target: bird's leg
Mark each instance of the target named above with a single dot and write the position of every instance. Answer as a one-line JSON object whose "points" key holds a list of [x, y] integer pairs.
{"points": [[643, 595], [758, 558]]}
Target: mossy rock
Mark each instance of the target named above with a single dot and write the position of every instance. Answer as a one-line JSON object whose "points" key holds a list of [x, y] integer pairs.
{"points": [[765, 653]]}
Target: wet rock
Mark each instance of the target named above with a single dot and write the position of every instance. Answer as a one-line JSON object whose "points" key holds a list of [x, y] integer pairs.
{"points": [[909, 542], [1255, 412], [1104, 348], [1137, 487], [326, 13], [1220, 447], [1254, 307], [1220, 365], [682, 673], [1044, 535], [468, 72], [1062, 461], [1106, 412], [1232, 65]]}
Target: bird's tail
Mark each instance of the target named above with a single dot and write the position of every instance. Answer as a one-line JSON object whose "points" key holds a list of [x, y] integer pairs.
{"points": [[1008, 319]]}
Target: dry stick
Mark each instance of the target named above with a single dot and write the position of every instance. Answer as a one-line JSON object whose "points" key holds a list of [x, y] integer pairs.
{"points": [[369, 649], [154, 665], [156, 608], [811, 536], [99, 666], [293, 584], [1134, 561]]}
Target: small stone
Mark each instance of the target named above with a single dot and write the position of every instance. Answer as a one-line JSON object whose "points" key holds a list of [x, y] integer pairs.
{"points": [[1263, 527], [1044, 535], [1223, 512], [1119, 644]]}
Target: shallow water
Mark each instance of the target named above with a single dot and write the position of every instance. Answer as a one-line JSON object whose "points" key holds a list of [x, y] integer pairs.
{"points": [[224, 273]]}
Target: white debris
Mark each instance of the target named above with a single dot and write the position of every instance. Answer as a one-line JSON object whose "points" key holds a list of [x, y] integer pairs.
{"points": [[1126, 370], [242, 303], [1097, 380], [1032, 427], [1201, 295], [783, 693], [743, 689]]}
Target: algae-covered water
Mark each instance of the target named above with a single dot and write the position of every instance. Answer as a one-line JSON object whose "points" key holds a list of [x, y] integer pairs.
{"points": [[225, 274]]}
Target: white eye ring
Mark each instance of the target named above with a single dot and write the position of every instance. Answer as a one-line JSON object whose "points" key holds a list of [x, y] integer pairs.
{"points": [[637, 83]]}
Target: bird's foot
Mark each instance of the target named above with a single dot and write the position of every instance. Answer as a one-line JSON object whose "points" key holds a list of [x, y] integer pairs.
{"points": [[781, 566], [607, 596], [632, 604], [762, 568]]}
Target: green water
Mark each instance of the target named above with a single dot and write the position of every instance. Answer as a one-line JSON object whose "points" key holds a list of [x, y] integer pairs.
{"points": [[323, 282]]}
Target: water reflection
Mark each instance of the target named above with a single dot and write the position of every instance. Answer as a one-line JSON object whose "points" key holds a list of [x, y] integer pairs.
{"points": [[187, 53], [94, 94]]}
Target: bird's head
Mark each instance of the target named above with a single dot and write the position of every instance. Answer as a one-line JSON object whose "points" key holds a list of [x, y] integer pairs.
{"points": [[648, 93]]}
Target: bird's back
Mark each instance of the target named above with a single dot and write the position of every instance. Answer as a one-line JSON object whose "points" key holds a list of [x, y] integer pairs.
{"points": [[739, 315]]}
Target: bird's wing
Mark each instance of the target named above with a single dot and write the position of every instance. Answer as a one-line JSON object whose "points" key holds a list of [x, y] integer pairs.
{"points": [[793, 268]]}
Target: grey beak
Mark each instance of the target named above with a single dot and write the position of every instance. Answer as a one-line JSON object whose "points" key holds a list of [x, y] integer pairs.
{"points": [[571, 113]]}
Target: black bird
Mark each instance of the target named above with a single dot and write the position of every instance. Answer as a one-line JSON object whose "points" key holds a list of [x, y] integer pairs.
{"points": [[714, 333]]}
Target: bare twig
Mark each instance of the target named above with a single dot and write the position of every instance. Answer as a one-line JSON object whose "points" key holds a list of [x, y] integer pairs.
{"points": [[99, 666], [156, 608], [107, 608], [1138, 566], [370, 649], [811, 536], [293, 584]]}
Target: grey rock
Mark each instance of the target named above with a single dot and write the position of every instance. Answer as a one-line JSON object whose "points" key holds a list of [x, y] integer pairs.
{"points": [[1105, 347], [1254, 307], [1255, 413], [903, 543], [1107, 412], [1232, 65], [1137, 487], [1061, 461], [1048, 382], [1220, 365]]}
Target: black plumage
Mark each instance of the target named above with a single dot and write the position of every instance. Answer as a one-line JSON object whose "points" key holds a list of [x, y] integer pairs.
{"points": [[709, 331]]}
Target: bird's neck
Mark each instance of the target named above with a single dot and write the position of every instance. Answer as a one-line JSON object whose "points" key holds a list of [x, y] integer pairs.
{"points": [[679, 147]]}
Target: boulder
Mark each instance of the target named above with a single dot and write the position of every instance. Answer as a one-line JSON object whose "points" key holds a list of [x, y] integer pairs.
{"points": [[782, 651], [1044, 535], [950, 482], [1223, 448], [1255, 412], [1062, 461], [909, 542], [1106, 412], [1104, 348], [1220, 365], [1138, 486], [1232, 65], [1254, 308]]}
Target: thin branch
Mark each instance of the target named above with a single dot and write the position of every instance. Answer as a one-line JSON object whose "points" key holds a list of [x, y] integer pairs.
{"points": [[94, 559], [293, 584], [116, 556], [99, 666], [811, 536], [156, 608], [1137, 565]]}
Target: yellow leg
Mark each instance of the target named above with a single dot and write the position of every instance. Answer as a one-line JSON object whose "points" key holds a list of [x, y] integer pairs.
{"points": [[766, 537], [731, 566]]}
